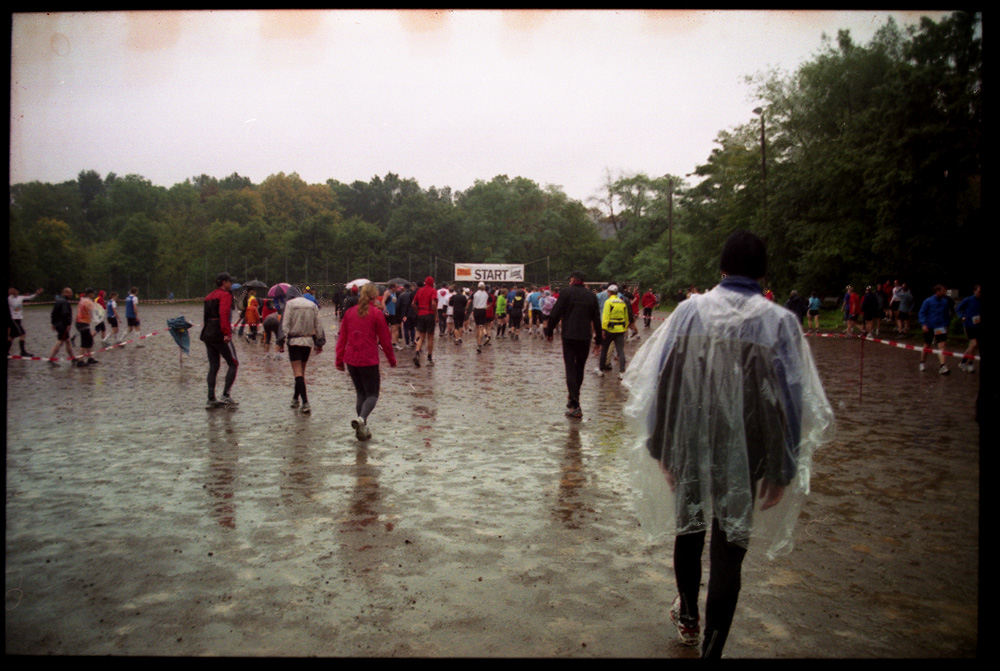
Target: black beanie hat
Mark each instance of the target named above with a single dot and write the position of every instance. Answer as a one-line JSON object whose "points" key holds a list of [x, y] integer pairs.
{"points": [[744, 254]]}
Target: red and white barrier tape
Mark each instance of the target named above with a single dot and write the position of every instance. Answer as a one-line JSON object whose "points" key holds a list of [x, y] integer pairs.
{"points": [[901, 345]]}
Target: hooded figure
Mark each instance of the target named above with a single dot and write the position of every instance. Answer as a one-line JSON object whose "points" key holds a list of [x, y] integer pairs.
{"points": [[726, 399]]}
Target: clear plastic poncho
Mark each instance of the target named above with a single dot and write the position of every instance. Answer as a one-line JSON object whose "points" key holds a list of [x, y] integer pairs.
{"points": [[724, 395]]}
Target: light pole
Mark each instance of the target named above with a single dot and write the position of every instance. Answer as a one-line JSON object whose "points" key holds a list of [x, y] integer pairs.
{"points": [[763, 162]]}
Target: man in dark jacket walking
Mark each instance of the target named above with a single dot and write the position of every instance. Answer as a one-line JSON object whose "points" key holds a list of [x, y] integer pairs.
{"points": [[62, 320], [577, 309]]}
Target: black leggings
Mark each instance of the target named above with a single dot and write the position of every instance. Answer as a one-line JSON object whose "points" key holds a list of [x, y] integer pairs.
{"points": [[726, 565], [366, 381], [217, 352]]}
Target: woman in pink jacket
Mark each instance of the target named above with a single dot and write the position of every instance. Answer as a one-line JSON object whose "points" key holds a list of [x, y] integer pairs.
{"points": [[362, 331]]}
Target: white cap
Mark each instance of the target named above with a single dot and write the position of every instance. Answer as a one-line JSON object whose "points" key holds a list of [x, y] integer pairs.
{"points": [[613, 289], [482, 285]]}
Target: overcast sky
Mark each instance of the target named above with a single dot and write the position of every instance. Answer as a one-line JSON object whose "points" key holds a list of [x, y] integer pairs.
{"points": [[443, 97]]}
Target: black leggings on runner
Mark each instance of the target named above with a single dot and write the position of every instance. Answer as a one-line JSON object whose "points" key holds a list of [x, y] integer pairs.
{"points": [[726, 565], [217, 352], [366, 381]]}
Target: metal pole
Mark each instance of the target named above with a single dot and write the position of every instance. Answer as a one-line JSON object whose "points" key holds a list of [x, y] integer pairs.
{"points": [[670, 230]]}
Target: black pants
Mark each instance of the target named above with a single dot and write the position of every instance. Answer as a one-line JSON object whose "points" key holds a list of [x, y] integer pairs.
{"points": [[216, 353], [619, 340], [724, 581], [367, 382], [575, 357]]}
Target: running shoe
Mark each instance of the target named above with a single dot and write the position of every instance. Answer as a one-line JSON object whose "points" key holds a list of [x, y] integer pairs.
{"points": [[416, 359], [599, 372], [211, 404], [229, 401], [430, 361], [943, 370], [576, 412], [689, 634], [80, 363], [92, 362], [923, 367], [360, 429], [294, 404], [306, 409]]}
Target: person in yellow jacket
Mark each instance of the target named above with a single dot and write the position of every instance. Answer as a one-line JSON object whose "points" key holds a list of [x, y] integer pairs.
{"points": [[615, 321]]}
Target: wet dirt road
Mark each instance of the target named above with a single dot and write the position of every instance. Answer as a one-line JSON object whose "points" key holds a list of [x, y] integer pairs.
{"points": [[478, 521]]}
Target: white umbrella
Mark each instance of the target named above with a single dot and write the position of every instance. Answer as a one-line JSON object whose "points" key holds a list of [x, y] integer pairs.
{"points": [[357, 283]]}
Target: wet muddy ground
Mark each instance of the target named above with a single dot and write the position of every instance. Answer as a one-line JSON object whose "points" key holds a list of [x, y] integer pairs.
{"points": [[478, 521]]}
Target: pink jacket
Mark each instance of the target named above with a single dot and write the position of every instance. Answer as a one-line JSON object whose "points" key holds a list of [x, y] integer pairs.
{"points": [[360, 337]]}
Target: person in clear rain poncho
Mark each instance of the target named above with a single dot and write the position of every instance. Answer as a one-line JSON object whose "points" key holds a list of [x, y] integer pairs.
{"points": [[728, 408]]}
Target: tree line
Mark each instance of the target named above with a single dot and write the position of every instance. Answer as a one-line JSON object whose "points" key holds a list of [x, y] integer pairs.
{"points": [[862, 165]]}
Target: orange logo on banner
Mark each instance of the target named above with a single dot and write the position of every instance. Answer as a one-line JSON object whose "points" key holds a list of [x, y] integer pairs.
{"points": [[463, 272]]}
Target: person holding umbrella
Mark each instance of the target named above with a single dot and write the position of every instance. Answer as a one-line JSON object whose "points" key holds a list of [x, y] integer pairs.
{"points": [[362, 331]]}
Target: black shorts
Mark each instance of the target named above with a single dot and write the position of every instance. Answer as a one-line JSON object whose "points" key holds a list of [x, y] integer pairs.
{"points": [[536, 317], [426, 323], [814, 313], [299, 353], [931, 337], [113, 321], [392, 320], [515, 320], [133, 321], [894, 305], [972, 332], [459, 320], [16, 329], [903, 316], [62, 332], [86, 337], [270, 329], [479, 316], [99, 328]]}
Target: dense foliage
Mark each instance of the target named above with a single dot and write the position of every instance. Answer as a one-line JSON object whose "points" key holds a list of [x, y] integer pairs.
{"points": [[863, 165]]}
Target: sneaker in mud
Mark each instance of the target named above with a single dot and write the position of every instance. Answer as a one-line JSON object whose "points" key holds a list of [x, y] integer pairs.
{"points": [[294, 404], [943, 370], [416, 359], [211, 404], [360, 430], [576, 413], [306, 409], [228, 401], [688, 632]]}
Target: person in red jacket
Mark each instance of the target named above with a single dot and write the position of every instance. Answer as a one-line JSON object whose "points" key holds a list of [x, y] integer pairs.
{"points": [[217, 334], [362, 332], [648, 303], [425, 300]]}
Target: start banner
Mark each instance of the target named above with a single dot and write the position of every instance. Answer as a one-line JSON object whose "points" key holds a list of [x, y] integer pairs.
{"points": [[489, 272]]}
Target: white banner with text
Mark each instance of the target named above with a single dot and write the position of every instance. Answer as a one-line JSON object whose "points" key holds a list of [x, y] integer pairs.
{"points": [[489, 272]]}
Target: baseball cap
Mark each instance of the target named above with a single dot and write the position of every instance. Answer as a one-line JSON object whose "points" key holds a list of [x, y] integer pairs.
{"points": [[223, 277]]}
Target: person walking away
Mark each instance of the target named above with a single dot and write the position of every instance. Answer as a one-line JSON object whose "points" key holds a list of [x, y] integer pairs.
{"points": [[905, 310], [814, 306], [389, 301], [870, 310], [728, 407], [425, 299], [407, 315], [968, 310], [302, 333], [84, 314], [252, 316], [362, 332], [934, 318], [501, 313], [15, 304], [112, 317], [649, 303], [132, 312], [272, 329], [217, 334], [99, 315], [459, 306], [581, 323], [61, 319], [615, 321], [479, 301]]}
